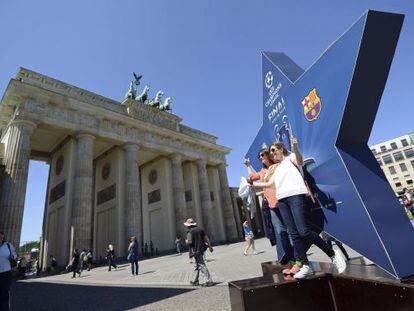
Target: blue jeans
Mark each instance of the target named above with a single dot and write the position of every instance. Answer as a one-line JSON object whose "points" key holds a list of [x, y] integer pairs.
{"points": [[295, 214], [281, 230]]}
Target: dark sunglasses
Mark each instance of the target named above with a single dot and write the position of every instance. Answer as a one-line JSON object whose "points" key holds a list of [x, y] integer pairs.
{"points": [[272, 150], [261, 155]]}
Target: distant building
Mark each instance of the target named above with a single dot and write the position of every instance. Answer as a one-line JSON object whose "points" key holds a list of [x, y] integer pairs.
{"points": [[396, 158]]}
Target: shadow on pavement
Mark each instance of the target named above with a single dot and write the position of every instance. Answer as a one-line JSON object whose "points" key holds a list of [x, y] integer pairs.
{"points": [[50, 296]]}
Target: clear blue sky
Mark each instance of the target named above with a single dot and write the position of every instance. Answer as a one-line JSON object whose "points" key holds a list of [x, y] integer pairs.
{"points": [[205, 54]]}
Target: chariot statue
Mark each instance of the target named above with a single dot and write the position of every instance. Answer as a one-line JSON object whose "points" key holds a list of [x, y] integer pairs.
{"points": [[156, 102], [166, 105], [131, 93], [144, 95]]}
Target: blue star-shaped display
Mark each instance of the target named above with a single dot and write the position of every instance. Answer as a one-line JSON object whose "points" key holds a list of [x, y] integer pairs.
{"points": [[330, 108]]}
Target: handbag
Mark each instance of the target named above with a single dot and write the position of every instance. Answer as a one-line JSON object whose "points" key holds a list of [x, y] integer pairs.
{"points": [[129, 257], [13, 262]]}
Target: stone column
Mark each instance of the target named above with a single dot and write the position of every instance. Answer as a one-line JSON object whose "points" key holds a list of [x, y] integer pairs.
{"points": [[83, 191], [15, 179], [229, 219], [133, 209], [206, 206], [178, 194]]}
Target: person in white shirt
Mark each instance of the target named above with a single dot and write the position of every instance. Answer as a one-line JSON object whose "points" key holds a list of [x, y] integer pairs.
{"points": [[290, 192], [7, 253]]}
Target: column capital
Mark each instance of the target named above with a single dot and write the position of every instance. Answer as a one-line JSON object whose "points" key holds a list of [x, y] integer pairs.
{"points": [[85, 136], [131, 146], [176, 158], [201, 161], [27, 124]]}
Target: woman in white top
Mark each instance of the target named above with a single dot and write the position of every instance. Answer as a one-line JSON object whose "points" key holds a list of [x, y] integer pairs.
{"points": [[7, 253], [290, 192]]}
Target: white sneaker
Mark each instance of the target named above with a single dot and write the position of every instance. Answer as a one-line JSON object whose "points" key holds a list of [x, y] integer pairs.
{"points": [[339, 261], [303, 272]]}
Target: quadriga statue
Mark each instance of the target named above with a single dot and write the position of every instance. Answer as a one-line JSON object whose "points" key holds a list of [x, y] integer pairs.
{"points": [[144, 95], [131, 93], [156, 102], [166, 105]]}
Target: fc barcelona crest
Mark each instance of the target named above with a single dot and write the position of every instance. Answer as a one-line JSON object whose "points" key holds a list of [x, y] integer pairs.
{"points": [[312, 105]]}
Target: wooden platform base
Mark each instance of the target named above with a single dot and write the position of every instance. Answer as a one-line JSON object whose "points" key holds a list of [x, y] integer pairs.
{"points": [[358, 288]]}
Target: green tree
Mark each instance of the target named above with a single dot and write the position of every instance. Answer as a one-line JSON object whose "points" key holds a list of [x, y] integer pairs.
{"points": [[27, 246]]}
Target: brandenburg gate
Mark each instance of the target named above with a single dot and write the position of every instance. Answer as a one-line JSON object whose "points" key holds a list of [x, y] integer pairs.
{"points": [[116, 170]]}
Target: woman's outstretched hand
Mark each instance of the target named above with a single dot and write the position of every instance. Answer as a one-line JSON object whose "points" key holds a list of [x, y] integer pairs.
{"points": [[246, 162]]}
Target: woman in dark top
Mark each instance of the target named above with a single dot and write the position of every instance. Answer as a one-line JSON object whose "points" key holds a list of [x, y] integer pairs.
{"points": [[133, 255], [110, 255], [75, 263]]}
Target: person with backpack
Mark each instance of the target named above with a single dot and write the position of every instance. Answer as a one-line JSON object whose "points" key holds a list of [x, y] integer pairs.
{"points": [[133, 252], [8, 260]]}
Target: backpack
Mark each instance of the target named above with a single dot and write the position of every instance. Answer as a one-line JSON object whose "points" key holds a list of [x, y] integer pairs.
{"points": [[85, 258]]}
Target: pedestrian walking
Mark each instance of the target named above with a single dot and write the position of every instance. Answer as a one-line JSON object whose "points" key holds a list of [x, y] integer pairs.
{"points": [[75, 264], [146, 249], [90, 258], [110, 256], [177, 243], [82, 260], [198, 242], [22, 267], [53, 263], [133, 252], [8, 258], [151, 248], [249, 237]]}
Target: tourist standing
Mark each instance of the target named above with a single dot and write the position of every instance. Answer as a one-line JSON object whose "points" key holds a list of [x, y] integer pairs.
{"points": [[8, 259], [198, 242], [110, 256], [133, 252], [270, 205], [407, 200], [75, 264], [249, 237], [291, 192]]}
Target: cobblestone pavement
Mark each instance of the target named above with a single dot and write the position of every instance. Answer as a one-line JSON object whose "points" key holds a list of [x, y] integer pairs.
{"points": [[162, 283]]}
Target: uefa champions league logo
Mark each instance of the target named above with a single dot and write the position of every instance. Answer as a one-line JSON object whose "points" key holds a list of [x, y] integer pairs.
{"points": [[269, 79]]}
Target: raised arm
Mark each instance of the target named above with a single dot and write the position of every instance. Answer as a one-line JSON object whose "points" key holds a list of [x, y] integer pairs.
{"points": [[252, 174], [298, 157]]}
